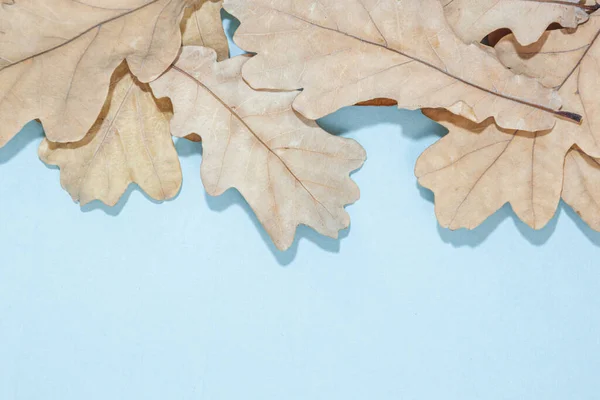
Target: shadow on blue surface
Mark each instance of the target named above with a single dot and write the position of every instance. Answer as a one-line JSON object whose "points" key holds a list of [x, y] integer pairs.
{"points": [[475, 237], [411, 123], [118, 208], [592, 235], [31, 132], [415, 126], [230, 23], [233, 198]]}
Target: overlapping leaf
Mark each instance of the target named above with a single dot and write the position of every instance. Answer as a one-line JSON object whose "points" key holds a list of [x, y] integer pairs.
{"points": [[505, 142], [477, 169], [57, 58], [576, 56], [472, 20], [345, 52], [289, 170], [567, 62], [130, 142], [202, 26]]}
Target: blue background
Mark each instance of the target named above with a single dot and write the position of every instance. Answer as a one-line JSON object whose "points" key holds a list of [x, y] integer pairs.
{"points": [[190, 300]]}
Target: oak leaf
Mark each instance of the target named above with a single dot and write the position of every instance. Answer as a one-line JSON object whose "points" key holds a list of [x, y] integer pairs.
{"points": [[472, 20], [476, 169], [202, 26], [60, 72], [581, 188], [344, 52], [130, 142], [567, 62], [289, 170]]}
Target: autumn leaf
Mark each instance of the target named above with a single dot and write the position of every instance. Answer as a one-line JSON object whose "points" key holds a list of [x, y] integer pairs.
{"points": [[472, 20], [70, 63], [581, 188], [567, 62], [289, 170], [345, 52], [476, 169], [130, 142], [57, 58], [202, 26]]}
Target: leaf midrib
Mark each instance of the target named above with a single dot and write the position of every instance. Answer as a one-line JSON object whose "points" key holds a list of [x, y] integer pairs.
{"points": [[414, 58], [256, 136], [557, 2], [91, 28]]}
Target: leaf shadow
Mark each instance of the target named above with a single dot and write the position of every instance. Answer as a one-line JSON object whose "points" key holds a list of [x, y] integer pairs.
{"points": [[475, 237], [187, 148], [592, 235], [230, 23], [411, 123], [31, 132], [233, 198], [463, 237], [116, 210]]}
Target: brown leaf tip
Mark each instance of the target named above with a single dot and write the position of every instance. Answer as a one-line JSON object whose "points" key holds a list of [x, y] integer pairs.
{"points": [[591, 9], [570, 116]]}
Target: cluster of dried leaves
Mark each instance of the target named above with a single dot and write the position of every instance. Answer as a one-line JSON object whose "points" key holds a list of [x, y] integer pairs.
{"points": [[113, 80]]}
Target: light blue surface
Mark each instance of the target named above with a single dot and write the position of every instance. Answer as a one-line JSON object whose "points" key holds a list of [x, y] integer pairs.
{"points": [[190, 300]]}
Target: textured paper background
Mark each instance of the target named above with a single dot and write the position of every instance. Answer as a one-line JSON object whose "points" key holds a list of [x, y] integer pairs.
{"points": [[189, 300]]}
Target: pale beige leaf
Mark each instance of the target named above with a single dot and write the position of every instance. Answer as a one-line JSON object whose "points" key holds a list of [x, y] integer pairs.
{"points": [[289, 170], [472, 20], [202, 26], [476, 169], [57, 58], [130, 142], [344, 52], [582, 186], [569, 63]]}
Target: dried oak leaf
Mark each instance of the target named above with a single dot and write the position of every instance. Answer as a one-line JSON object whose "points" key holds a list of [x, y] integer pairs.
{"points": [[130, 142], [57, 58], [344, 52], [475, 170], [202, 26], [567, 62], [472, 20], [581, 189], [289, 170]]}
